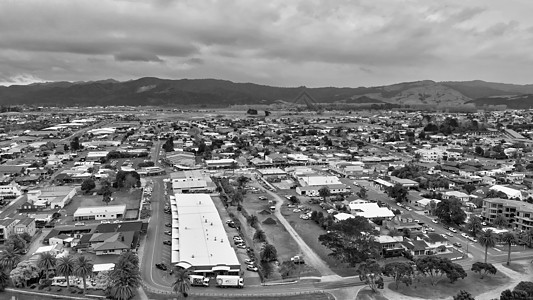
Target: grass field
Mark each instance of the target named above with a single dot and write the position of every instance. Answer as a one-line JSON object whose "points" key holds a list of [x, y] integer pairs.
{"points": [[443, 289], [309, 231]]}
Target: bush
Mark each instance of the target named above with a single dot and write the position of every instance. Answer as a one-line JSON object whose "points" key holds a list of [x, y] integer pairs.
{"points": [[59, 289], [33, 286]]}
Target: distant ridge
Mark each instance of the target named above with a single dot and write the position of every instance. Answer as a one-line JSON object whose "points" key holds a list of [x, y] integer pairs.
{"points": [[215, 92]]}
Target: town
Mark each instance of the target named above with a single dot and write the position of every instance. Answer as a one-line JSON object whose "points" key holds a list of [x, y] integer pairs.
{"points": [[116, 202]]}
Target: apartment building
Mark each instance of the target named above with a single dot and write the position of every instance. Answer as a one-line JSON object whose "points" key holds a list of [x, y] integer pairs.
{"points": [[518, 213]]}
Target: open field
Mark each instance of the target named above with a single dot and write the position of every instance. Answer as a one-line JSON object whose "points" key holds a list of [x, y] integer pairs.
{"points": [[472, 284]]}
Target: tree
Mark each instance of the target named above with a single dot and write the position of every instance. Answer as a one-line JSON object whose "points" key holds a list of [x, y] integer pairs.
{"points": [[75, 144], [182, 283], [4, 280], [474, 225], [259, 236], [242, 180], [168, 146], [370, 273], [252, 220], [83, 267], [288, 269], [125, 277], [469, 188], [24, 272], [436, 267], [294, 200], [268, 253], [324, 192], [487, 239], [501, 221], [362, 193], [26, 237], [351, 241], [398, 193], [484, 268], [65, 267], [130, 181], [463, 295], [46, 262], [9, 258], [237, 198], [509, 238], [87, 185], [450, 211], [455, 271], [513, 295], [401, 272], [17, 242], [525, 287]]}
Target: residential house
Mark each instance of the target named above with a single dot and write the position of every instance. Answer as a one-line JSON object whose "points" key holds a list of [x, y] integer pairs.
{"points": [[7, 228], [26, 225]]}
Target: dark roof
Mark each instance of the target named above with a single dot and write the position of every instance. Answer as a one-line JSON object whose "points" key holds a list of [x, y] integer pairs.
{"points": [[10, 169], [52, 233], [26, 221], [120, 227]]}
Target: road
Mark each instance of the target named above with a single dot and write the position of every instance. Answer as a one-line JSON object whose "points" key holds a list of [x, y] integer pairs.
{"points": [[11, 209]]}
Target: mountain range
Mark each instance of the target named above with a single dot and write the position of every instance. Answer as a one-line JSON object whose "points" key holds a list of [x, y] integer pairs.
{"points": [[214, 92]]}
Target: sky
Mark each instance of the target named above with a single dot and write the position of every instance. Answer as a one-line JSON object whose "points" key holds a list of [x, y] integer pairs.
{"points": [[343, 43]]}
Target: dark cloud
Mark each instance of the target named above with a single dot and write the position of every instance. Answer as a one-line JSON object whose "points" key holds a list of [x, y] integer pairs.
{"points": [[300, 42], [131, 56]]}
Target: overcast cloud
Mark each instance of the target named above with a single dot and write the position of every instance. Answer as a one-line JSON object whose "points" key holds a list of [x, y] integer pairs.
{"points": [[284, 43]]}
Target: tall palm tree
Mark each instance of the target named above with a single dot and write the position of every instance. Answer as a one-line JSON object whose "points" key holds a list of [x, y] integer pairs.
{"points": [[259, 236], [125, 278], [46, 262], [508, 238], [83, 267], [252, 220], [65, 266], [9, 258], [487, 239], [268, 253], [182, 283], [4, 280], [474, 225]]}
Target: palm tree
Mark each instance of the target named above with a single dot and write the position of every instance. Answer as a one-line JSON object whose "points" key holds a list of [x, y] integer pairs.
{"points": [[508, 238], [125, 277], [268, 253], [65, 266], [83, 267], [487, 239], [474, 225], [46, 262], [529, 237], [252, 220], [259, 236], [182, 283], [4, 280], [9, 258]]}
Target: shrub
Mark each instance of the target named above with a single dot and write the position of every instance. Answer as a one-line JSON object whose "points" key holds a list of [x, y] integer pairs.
{"points": [[33, 286], [59, 289]]}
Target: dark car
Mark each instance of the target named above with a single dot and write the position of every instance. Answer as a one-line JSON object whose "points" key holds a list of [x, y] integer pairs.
{"points": [[161, 266], [168, 225], [167, 243]]}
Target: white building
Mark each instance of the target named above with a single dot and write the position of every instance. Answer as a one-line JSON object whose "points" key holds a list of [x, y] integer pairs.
{"points": [[109, 212], [511, 193], [369, 210], [11, 190], [200, 242]]}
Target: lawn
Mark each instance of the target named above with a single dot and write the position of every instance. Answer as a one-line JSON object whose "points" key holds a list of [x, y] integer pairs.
{"points": [[310, 231], [519, 268], [472, 284]]}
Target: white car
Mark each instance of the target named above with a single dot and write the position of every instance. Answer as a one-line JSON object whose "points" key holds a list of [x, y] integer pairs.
{"points": [[465, 235], [79, 224], [449, 234], [453, 230], [435, 221], [105, 222]]}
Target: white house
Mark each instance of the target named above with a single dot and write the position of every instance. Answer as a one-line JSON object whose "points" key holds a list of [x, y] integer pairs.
{"points": [[100, 212]]}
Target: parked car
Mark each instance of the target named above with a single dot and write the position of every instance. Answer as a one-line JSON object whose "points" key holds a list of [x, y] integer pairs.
{"points": [[464, 235], [168, 225], [449, 234], [297, 259], [458, 245], [161, 266], [435, 221], [168, 232], [453, 230], [105, 222], [249, 261], [169, 243], [79, 224], [251, 268]]}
